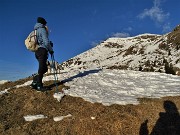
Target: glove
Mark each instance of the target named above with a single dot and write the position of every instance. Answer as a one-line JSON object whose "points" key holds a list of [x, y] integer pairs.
{"points": [[51, 52], [51, 43]]}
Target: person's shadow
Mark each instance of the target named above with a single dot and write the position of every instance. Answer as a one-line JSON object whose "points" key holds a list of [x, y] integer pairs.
{"points": [[144, 128], [81, 75], [167, 124]]}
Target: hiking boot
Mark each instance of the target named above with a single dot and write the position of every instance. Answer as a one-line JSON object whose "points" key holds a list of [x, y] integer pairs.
{"points": [[33, 85], [41, 88], [35, 81]]}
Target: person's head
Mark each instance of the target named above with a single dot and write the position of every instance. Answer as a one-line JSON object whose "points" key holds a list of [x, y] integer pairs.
{"points": [[169, 106], [41, 20]]}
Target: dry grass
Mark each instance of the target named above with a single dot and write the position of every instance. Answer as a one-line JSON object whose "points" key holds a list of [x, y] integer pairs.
{"points": [[109, 120]]}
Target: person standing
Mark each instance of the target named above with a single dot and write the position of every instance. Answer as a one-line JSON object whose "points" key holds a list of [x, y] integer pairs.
{"points": [[44, 46]]}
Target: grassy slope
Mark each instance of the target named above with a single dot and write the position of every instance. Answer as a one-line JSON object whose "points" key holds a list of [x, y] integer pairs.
{"points": [[109, 120]]}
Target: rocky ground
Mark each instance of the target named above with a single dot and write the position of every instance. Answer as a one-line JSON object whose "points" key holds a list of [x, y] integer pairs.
{"points": [[151, 116]]}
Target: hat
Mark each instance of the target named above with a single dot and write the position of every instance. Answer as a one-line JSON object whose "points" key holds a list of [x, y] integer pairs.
{"points": [[41, 20]]}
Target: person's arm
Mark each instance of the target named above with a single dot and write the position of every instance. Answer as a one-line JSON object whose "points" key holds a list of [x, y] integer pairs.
{"points": [[45, 39]]}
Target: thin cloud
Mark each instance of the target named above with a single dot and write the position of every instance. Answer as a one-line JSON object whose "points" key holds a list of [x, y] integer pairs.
{"points": [[128, 29], [155, 13], [121, 35], [166, 28]]}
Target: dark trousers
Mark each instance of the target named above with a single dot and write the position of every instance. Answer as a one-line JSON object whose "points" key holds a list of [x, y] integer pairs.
{"points": [[41, 55]]}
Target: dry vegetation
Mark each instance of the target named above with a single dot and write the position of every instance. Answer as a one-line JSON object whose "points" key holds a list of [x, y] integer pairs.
{"points": [[150, 114], [173, 38]]}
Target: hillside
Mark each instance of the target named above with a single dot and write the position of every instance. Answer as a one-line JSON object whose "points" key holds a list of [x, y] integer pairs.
{"points": [[146, 52]]}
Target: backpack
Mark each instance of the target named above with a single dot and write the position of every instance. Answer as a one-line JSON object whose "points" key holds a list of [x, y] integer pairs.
{"points": [[31, 41]]}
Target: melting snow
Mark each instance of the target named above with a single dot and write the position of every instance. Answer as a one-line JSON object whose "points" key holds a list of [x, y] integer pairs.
{"points": [[40, 116], [59, 96], [34, 117], [3, 81], [116, 86], [59, 118], [4, 91], [123, 87]]}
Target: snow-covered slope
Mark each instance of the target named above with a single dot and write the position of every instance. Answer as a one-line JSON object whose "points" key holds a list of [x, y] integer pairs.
{"points": [[146, 52], [3, 81]]}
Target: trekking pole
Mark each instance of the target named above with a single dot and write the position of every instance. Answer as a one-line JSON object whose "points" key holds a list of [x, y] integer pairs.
{"points": [[58, 95], [54, 72]]}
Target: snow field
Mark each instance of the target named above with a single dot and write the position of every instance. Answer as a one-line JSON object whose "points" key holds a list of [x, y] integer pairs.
{"points": [[115, 86]]}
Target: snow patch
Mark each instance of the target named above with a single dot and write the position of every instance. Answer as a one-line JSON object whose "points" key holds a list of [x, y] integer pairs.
{"points": [[93, 118], [59, 118], [3, 81], [34, 117], [59, 96], [123, 87], [4, 91], [115, 86]]}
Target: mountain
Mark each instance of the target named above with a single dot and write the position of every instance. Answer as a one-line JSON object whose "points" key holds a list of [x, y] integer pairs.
{"points": [[145, 52]]}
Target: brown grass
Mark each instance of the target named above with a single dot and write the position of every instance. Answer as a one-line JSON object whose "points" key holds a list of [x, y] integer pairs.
{"points": [[109, 120]]}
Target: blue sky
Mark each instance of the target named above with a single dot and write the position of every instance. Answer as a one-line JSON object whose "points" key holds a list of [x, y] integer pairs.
{"points": [[76, 26]]}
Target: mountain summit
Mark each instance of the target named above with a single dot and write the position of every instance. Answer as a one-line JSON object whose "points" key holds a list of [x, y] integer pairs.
{"points": [[145, 52]]}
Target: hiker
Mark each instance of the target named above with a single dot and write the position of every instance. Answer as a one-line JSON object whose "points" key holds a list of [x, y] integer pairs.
{"points": [[44, 46]]}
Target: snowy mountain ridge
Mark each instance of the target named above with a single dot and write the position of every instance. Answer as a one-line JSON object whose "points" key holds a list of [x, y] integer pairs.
{"points": [[145, 52]]}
